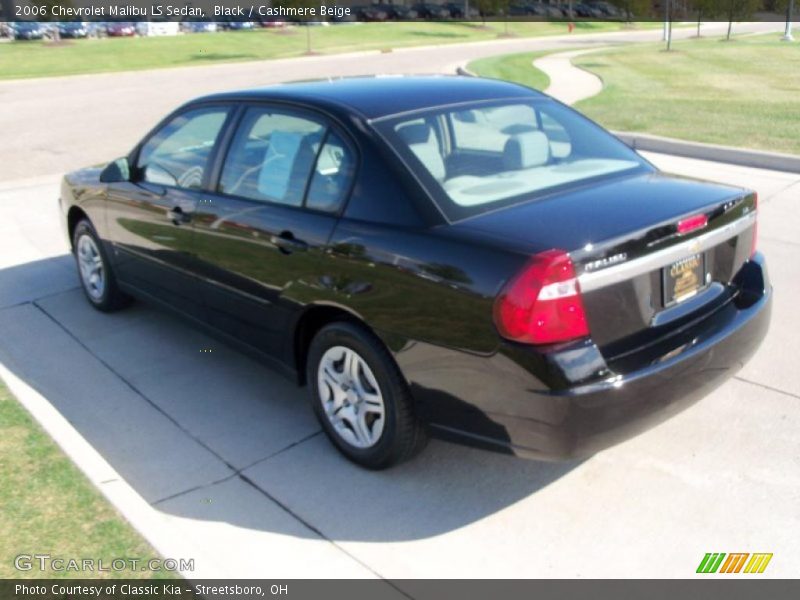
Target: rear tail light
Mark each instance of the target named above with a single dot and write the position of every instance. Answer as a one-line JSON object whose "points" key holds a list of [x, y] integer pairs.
{"points": [[753, 246], [542, 305]]}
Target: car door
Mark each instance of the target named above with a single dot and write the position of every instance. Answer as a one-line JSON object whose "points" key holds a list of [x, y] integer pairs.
{"points": [[149, 218], [279, 190]]}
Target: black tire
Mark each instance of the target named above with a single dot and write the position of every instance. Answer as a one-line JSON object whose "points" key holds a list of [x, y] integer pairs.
{"points": [[403, 435], [111, 298]]}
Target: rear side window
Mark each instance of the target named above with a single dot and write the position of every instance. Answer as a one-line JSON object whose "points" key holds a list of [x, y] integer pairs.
{"points": [[332, 175], [288, 159], [178, 154]]}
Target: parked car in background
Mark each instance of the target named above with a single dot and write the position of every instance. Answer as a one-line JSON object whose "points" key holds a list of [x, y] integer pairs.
{"points": [[121, 29], [606, 8], [429, 10], [586, 11], [240, 25], [371, 12], [400, 12], [199, 27], [456, 9], [448, 254], [157, 28], [73, 29], [29, 30], [272, 23], [472, 12]]}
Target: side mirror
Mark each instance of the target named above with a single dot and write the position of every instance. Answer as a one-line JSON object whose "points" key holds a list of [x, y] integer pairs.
{"points": [[117, 171]]}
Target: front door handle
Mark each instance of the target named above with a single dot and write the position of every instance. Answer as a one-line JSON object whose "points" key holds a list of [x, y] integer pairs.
{"points": [[287, 243], [177, 216]]}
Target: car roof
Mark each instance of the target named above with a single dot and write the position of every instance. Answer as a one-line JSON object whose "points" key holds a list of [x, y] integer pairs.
{"points": [[380, 96]]}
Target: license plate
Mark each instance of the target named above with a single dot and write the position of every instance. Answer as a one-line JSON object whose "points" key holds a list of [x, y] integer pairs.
{"points": [[683, 278]]}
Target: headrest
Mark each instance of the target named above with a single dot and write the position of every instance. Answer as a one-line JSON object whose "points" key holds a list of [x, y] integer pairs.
{"points": [[525, 150], [415, 133]]}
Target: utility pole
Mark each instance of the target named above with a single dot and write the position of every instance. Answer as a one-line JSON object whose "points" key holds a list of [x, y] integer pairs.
{"points": [[787, 35], [668, 25]]}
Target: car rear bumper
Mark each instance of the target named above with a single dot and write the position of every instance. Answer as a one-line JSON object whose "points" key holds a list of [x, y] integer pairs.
{"points": [[582, 420]]}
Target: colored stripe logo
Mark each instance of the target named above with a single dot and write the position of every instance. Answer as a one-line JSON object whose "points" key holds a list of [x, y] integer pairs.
{"points": [[736, 562]]}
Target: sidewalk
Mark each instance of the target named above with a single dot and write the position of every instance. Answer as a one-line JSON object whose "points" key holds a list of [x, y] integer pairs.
{"points": [[568, 83]]}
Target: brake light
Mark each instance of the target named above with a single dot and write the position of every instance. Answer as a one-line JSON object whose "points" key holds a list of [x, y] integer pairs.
{"points": [[755, 227], [542, 305], [692, 224]]}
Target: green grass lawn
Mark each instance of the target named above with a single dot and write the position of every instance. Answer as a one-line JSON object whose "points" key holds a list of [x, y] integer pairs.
{"points": [[513, 67], [745, 92], [48, 506], [40, 59]]}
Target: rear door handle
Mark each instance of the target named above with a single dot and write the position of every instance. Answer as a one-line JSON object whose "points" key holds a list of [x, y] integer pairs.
{"points": [[177, 216], [287, 243]]}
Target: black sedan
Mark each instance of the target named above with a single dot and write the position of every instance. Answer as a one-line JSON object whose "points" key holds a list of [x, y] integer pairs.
{"points": [[452, 255]]}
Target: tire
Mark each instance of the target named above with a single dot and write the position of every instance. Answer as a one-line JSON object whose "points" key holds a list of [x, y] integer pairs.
{"points": [[94, 270], [355, 427]]}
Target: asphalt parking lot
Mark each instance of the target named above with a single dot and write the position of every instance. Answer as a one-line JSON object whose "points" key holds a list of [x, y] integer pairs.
{"points": [[230, 468]]}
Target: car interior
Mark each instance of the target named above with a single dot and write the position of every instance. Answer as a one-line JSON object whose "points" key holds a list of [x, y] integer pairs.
{"points": [[487, 154]]}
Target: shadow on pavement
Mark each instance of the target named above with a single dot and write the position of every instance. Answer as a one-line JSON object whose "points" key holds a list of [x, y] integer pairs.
{"points": [[191, 423]]}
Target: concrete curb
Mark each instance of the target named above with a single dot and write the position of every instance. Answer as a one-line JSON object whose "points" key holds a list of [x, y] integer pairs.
{"points": [[744, 157], [151, 524]]}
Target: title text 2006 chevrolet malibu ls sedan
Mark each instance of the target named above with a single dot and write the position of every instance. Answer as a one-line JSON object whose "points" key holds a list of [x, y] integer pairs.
{"points": [[456, 255]]}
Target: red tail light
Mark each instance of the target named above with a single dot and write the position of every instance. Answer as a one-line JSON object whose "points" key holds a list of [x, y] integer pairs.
{"points": [[542, 305], [692, 223], [755, 227]]}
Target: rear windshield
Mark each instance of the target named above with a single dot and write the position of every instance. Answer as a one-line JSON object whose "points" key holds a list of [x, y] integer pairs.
{"points": [[477, 158]]}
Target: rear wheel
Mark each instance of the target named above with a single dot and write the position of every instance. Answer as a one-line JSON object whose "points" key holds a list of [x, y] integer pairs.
{"points": [[97, 278], [361, 398]]}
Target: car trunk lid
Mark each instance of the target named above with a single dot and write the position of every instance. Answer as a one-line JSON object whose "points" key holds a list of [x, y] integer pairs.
{"points": [[651, 252]]}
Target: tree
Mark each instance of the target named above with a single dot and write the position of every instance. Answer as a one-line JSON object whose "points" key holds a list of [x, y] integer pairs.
{"points": [[705, 9], [633, 8], [491, 8], [737, 10], [447, 272]]}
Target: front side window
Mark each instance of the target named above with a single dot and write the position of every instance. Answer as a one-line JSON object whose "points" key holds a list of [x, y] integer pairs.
{"points": [[481, 157], [178, 154]]}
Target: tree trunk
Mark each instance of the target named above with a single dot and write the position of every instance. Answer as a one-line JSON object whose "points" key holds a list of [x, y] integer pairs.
{"points": [[730, 26]]}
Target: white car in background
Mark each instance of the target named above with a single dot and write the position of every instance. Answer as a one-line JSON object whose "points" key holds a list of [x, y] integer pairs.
{"points": [[158, 28]]}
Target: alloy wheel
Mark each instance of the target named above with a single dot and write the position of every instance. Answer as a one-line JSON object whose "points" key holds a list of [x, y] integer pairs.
{"points": [[351, 397], [91, 267]]}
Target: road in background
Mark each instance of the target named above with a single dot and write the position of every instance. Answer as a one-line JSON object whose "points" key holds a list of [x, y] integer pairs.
{"points": [[53, 125]]}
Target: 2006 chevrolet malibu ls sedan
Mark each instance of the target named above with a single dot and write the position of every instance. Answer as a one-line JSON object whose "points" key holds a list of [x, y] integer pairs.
{"points": [[452, 255]]}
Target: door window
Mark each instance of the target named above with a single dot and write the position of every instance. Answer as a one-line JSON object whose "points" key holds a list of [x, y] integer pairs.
{"points": [[288, 159], [272, 157], [178, 155]]}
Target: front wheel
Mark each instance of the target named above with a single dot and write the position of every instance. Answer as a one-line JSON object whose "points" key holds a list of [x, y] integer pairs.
{"points": [[361, 398], [97, 278]]}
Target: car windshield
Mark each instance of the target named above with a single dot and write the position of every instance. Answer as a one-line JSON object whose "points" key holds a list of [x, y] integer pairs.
{"points": [[476, 158]]}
